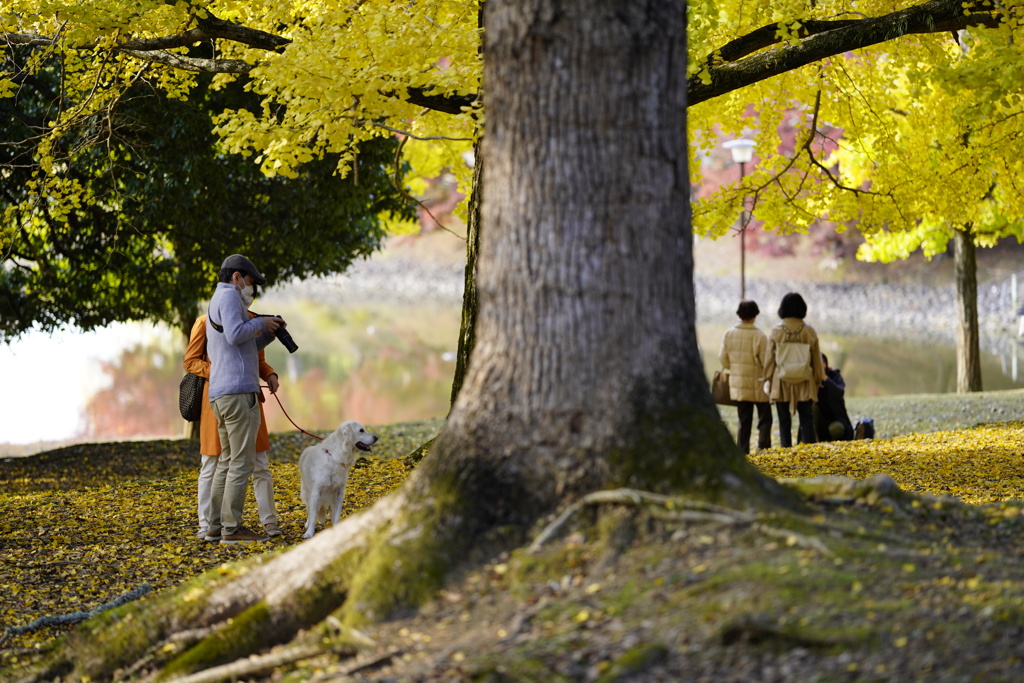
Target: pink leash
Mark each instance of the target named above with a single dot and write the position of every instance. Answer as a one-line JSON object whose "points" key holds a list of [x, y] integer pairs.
{"points": [[320, 438]]}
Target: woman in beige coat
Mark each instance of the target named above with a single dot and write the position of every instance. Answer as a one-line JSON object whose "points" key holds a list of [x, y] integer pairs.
{"points": [[794, 397], [743, 353]]}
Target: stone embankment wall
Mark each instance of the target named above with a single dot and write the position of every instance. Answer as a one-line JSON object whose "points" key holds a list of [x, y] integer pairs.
{"points": [[398, 280], [881, 311], [875, 310]]}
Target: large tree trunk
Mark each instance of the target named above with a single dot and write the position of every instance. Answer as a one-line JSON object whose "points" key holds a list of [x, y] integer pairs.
{"points": [[585, 372], [968, 355]]}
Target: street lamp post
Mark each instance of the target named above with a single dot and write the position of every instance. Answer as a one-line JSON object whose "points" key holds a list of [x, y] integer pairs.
{"points": [[742, 152]]}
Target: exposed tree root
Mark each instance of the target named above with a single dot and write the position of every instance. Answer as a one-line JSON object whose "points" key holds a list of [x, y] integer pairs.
{"points": [[356, 667], [303, 565], [809, 542], [265, 604], [757, 630], [676, 507], [876, 490], [75, 617], [522, 619], [182, 640], [269, 602], [189, 637], [256, 665]]}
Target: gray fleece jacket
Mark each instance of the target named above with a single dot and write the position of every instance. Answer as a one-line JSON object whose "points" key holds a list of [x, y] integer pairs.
{"points": [[234, 353]]}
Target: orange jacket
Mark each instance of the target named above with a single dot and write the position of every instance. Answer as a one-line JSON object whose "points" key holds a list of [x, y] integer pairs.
{"points": [[197, 363]]}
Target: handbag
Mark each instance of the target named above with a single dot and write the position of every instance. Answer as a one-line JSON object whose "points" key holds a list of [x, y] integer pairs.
{"points": [[190, 396], [720, 389]]}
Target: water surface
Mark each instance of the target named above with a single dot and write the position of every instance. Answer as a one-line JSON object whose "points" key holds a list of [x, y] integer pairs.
{"points": [[379, 365]]}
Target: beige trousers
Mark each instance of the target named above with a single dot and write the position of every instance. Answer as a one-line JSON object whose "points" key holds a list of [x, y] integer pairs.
{"points": [[262, 486], [238, 418]]}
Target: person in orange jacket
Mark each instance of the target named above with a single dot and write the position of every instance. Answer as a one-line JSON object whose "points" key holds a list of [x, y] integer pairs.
{"points": [[198, 363]]}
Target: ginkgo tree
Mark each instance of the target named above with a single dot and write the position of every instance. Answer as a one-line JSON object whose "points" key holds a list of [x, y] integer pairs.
{"points": [[334, 74], [914, 144], [585, 372], [974, 201]]}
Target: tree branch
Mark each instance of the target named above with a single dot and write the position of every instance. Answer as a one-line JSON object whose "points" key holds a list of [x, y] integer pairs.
{"points": [[448, 104], [211, 29], [731, 67], [766, 36], [935, 16], [28, 40], [196, 64]]}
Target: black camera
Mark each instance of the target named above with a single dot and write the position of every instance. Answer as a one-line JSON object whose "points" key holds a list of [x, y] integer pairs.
{"points": [[283, 335]]}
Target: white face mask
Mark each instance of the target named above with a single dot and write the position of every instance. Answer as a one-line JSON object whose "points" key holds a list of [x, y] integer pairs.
{"points": [[247, 295]]}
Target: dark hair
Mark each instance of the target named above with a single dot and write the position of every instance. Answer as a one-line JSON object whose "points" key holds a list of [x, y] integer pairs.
{"points": [[793, 306], [224, 274], [748, 310], [824, 359]]}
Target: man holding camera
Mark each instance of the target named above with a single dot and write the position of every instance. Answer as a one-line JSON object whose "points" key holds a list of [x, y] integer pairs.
{"points": [[234, 340]]}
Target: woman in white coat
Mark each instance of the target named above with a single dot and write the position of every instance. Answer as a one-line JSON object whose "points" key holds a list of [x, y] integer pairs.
{"points": [[791, 396], [743, 354]]}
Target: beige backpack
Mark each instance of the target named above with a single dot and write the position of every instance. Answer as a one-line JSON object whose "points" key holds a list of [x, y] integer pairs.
{"points": [[793, 358]]}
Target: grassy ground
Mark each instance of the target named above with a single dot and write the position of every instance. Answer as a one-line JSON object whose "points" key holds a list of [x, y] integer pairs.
{"points": [[872, 584]]}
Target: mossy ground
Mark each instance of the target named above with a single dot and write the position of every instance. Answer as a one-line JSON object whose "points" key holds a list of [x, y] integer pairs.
{"points": [[922, 590], [870, 588]]}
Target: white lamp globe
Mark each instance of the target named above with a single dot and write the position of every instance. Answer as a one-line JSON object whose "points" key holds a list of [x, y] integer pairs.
{"points": [[742, 149]]}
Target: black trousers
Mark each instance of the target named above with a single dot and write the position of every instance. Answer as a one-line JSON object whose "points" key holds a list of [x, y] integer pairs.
{"points": [[804, 411], [745, 411]]}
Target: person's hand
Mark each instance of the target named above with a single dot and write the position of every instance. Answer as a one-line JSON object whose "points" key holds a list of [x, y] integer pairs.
{"points": [[767, 386], [272, 324], [273, 382]]}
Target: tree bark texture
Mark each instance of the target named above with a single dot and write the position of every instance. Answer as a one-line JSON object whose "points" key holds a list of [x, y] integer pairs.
{"points": [[968, 355], [585, 371]]}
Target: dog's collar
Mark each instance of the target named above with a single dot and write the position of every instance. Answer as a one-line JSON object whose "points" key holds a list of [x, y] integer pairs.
{"points": [[331, 455]]}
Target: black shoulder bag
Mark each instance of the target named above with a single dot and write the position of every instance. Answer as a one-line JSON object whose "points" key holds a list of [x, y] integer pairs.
{"points": [[190, 392]]}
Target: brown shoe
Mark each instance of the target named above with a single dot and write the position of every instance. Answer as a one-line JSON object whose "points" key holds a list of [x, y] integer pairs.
{"points": [[212, 536], [242, 535]]}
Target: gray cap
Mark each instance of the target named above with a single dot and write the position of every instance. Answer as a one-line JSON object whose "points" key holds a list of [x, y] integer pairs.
{"points": [[243, 265]]}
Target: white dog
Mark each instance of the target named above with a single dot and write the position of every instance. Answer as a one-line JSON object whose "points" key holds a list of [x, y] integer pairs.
{"points": [[325, 468]]}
